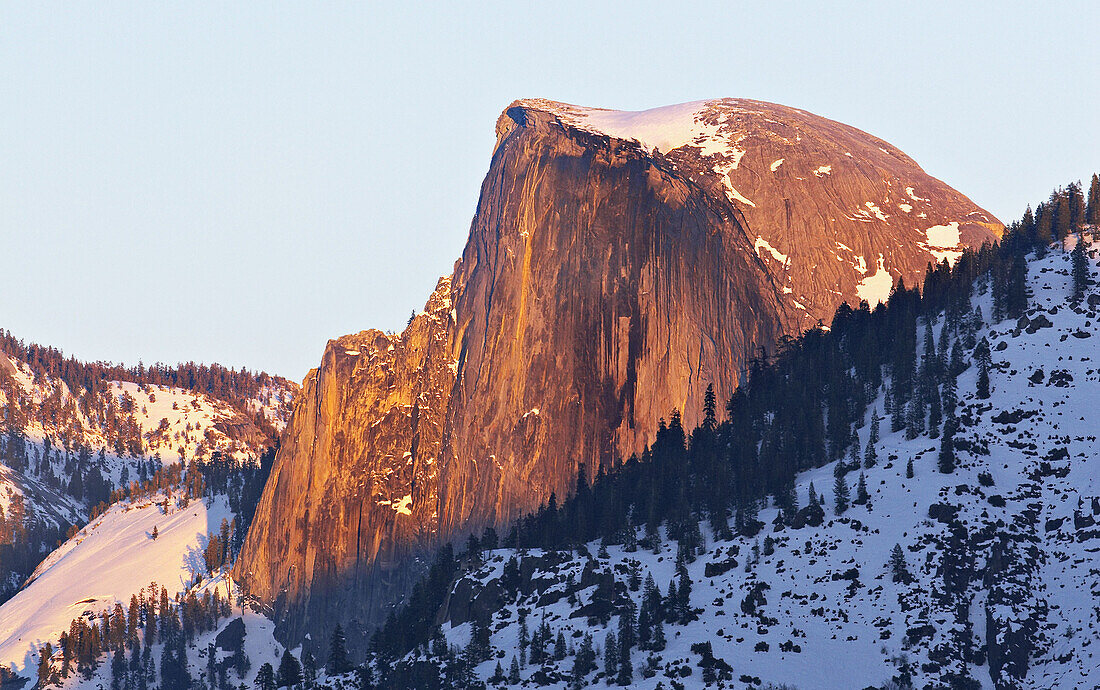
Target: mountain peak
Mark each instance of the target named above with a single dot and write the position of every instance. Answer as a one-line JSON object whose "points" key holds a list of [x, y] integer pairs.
{"points": [[809, 191], [617, 266]]}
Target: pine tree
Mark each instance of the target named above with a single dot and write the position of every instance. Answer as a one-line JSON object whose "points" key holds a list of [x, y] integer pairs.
{"points": [[148, 675], [983, 357], [118, 669], [840, 495], [786, 497], [630, 539], [610, 655], [536, 652], [854, 453], [929, 365], [950, 396], [946, 460], [524, 639], [1014, 293], [602, 553], [265, 679], [338, 661], [1092, 210], [956, 365], [309, 668], [650, 611], [914, 419], [135, 670], [909, 468], [627, 628], [870, 455], [626, 668], [513, 671], [584, 662], [1063, 214], [626, 641], [480, 646], [133, 621], [173, 660], [710, 407], [658, 643], [1080, 270], [862, 496], [683, 594], [1028, 223], [670, 600], [898, 567], [645, 624], [942, 343], [935, 413], [897, 406], [211, 665], [45, 665], [1077, 210]]}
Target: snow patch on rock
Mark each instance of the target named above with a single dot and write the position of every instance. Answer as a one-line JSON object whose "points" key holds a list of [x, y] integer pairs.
{"points": [[762, 243], [876, 288], [876, 210], [404, 506], [735, 195], [943, 242], [665, 129]]}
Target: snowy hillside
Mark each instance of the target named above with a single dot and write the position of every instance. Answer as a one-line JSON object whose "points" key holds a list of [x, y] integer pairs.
{"points": [[130, 420], [955, 550], [18, 493], [243, 630], [112, 558], [75, 439], [997, 580]]}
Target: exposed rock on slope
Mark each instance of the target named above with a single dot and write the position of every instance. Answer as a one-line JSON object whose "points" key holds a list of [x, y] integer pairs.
{"points": [[618, 263], [822, 201], [354, 487]]}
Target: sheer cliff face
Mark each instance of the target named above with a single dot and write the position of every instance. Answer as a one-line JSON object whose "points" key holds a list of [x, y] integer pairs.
{"points": [[618, 263]]}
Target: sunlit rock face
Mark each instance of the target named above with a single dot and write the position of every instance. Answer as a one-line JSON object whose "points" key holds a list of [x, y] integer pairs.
{"points": [[617, 265]]}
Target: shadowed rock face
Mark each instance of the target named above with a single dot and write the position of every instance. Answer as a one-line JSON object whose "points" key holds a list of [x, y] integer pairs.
{"points": [[606, 280]]}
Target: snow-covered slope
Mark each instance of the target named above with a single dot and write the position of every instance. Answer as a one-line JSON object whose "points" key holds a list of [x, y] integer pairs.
{"points": [[665, 128], [1001, 553], [999, 578], [242, 641], [18, 492], [72, 435], [167, 422], [112, 558]]}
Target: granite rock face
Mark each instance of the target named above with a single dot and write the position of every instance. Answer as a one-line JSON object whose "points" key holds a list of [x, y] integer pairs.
{"points": [[617, 265]]}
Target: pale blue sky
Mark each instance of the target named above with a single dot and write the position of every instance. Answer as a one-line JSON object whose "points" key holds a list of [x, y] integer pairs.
{"points": [[239, 182]]}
